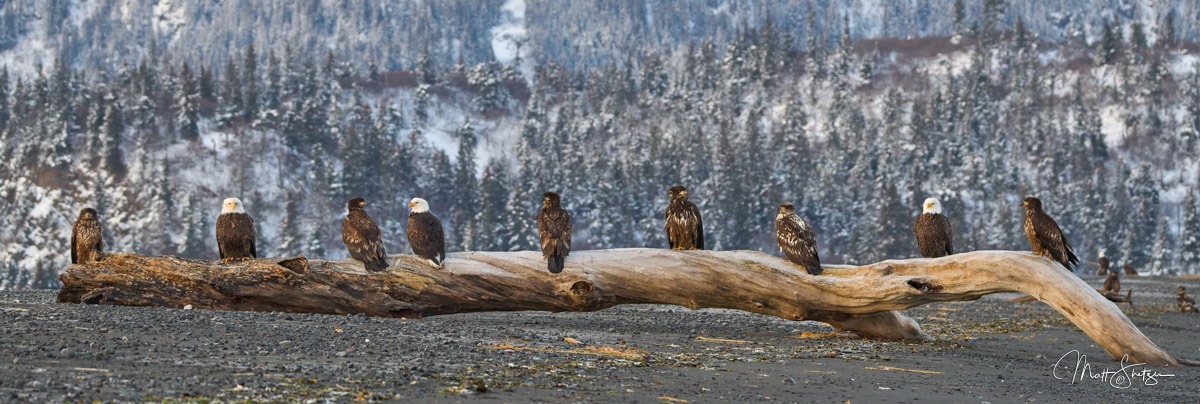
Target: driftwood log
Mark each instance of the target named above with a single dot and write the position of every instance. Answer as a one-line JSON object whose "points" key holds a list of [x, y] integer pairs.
{"points": [[863, 299]]}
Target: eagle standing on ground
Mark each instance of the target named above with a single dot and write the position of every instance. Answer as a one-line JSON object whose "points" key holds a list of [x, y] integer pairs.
{"points": [[87, 242], [1112, 284], [796, 239], [685, 230], [235, 232], [425, 233], [1103, 265], [362, 237], [1045, 237], [1129, 269], [932, 228], [554, 232], [1184, 301]]}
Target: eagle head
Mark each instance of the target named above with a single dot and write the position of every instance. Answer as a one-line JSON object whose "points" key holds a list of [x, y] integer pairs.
{"points": [[356, 204], [88, 213], [232, 205], [787, 208], [1101, 253], [931, 205], [550, 199], [678, 192], [1032, 203], [418, 205]]}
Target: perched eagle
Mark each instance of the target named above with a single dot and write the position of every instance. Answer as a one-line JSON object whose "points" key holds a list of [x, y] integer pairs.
{"points": [[235, 232], [425, 233], [933, 231], [685, 230], [1045, 237], [554, 232], [1103, 265], [1112, 284], [1129, 269], [796, 239], [87, 244], [1184, 301], [362, 237]]}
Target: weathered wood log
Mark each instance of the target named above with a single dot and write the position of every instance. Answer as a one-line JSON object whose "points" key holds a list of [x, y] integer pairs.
{"points": [[863, 299]]}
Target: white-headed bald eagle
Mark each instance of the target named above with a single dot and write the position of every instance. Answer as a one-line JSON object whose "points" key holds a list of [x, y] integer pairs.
{"points": [[235, 232], [362, 237], [685, 230], [1045, 237], [554, 232], [425, 233], [932, 229], [87, 242], [796, 239]]}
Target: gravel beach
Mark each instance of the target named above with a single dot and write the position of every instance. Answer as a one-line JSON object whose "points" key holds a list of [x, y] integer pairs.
{"points": [[990, 350]]}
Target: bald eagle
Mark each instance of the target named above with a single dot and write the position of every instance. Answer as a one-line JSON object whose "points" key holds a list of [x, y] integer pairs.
{"points": [[362, 237], [1103, 265], [425, 233], [1112, 284], [934, 237], [87, 244], [554, 232], [796, 239], [235, 232], [685, 230], [1045, 237]]}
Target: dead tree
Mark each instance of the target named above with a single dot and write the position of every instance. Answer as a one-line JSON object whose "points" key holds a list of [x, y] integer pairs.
{"points": [[863, 299]]}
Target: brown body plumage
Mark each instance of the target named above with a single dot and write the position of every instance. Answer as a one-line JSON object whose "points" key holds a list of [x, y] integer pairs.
{"points": [[425, 233], [1045, 237], [87, 241], [554, 232], [1112, 284], [1129, 269], [236, 236], [1104, 265], [932, 228], [796, 239], [1184, 301], [685, 229], [362, 237]]}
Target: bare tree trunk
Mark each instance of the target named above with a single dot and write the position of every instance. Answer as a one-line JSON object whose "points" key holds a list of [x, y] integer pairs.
{"points": [[863, 300]]}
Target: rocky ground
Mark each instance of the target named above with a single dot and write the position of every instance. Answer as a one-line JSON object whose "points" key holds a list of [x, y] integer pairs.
{"points": [[990, 350]]}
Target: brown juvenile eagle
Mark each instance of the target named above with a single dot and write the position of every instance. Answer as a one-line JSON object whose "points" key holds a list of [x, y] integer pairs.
{"points": [[1112, 284], [425, 233], [554, 232], [932, 228], [362, 237], [235, 232], [796, 239], [685, 230], [1045, 237], [87, 242]]}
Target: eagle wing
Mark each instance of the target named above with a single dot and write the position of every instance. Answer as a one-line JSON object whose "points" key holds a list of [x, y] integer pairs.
{"points": [[934, 237], [699, 227], [1051, 238], [74, 235], [798, 243], [426, 236], [554, 232], [362, 237]]}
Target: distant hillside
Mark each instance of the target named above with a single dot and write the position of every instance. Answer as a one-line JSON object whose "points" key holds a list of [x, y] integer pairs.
{"points": [[855, 133]]}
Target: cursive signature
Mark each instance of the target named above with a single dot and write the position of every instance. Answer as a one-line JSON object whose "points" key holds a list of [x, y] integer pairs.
{"points": [[1122, 378]]}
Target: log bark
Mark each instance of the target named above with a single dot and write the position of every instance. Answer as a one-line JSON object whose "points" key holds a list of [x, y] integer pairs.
{"points": [[863, 299]]}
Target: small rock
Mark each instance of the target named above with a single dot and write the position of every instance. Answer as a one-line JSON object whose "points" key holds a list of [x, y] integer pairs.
{"points": [[188, 307]]}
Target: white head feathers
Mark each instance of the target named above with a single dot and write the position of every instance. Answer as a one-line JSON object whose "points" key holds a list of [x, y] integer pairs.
{"points": [[931, 205], [232, 205], [418, 205]]}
